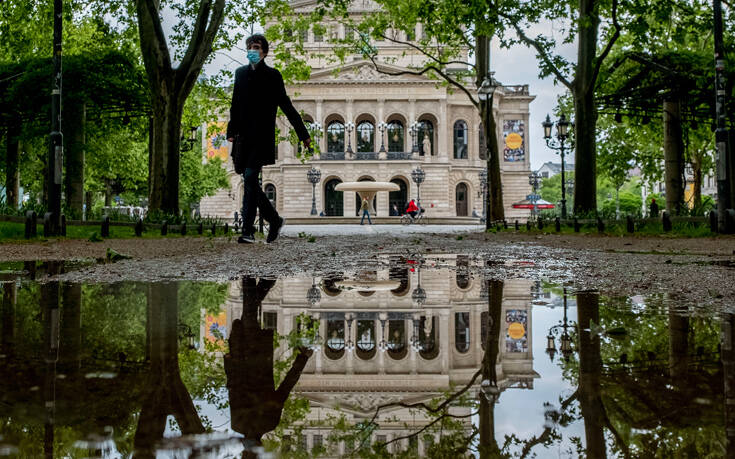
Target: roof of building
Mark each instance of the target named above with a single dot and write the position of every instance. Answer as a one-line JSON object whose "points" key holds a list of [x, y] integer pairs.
{"points": [[556, 167]]}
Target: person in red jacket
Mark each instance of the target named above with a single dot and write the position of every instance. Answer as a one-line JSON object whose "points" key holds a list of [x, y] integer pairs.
{"points": [[412, 209]]}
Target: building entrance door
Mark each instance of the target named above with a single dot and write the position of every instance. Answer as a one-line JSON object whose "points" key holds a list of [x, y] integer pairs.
{"points": [[399, 198], [333, 200], [461, 200]]}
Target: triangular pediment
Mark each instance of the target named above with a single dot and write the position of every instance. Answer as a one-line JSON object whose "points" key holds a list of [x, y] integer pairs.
{"points": [[365, 72]]}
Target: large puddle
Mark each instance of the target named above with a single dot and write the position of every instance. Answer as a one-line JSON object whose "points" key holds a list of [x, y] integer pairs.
{"points": [[419, 359]]}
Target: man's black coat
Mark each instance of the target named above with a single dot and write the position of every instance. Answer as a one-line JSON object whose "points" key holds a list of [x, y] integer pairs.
{"points": [[255, 100]]}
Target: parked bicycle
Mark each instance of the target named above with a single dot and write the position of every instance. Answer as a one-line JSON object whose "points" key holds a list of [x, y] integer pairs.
{"points": [[419, 219]]}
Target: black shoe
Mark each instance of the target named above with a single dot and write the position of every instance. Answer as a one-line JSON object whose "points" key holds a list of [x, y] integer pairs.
{"points": [[275, 228], [246, 239]]}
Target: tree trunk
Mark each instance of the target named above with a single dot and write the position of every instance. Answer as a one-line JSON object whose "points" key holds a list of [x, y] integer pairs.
{"points": [[7, 318], [75, 120], [673, 157], [108, 193], [697, 183], [590, 368], [163, 168], [89, 200], [494, 201], [12, 175], [488, 443], [70, 355], [727, 355]]}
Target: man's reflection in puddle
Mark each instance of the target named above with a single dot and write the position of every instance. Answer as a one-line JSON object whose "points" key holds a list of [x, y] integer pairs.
{"points": [[255, 403]]}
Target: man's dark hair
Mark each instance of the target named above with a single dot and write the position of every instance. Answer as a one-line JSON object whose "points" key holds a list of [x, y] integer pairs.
{"points": [[260, 39]]}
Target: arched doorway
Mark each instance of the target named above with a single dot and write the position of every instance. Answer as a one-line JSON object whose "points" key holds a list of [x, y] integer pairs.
{"points": [[398, 198], [333, 200], [270, 193], [358, 202], [462, 200]]}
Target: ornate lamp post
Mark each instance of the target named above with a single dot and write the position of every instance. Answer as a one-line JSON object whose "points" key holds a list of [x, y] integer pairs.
{"points": [[349, 344], [414, 129], [382, 127], [563, 329], [313, 295], [534, 179], [483, 187], [418, 175], [349, 127], [485, 93], [314, 175], [562, 134]]}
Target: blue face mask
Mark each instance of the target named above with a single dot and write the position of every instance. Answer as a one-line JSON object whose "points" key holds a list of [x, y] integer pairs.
{"points": [[253, 56]]}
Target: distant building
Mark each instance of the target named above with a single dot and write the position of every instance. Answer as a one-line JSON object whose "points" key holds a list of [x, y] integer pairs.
{"points": [[549, 169]]}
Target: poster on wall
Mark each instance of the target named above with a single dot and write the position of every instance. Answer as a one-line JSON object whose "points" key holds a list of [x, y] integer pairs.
{"points": [[217, 145], [514, 140], [516, 337], [215, 328]]}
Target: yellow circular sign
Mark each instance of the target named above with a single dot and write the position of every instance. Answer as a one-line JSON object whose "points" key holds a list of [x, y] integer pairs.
{"points": [[513, 141], [516, 330]]}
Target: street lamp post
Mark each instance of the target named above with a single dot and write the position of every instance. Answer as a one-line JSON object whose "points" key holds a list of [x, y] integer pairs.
{"points": [[382, 127], [534, 179], [485, 93], [350, 126], [418, 175], [562, 134], [414, 129], [314, 175], [483, 187], [56, 149], [563, 329]]}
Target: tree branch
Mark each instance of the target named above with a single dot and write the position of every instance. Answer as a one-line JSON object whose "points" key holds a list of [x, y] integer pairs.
{"points": [[427, 426], [152, 41], [608, 47], [197, 36], [188, 77], [541, 51], [616, 434], [443, 74], [547, 431], [424, 52]]}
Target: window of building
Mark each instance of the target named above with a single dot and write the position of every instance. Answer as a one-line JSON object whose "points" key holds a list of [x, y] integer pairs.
{"points": [[545, 175], [303, 444], [426, 138], [304, 35], [317, 441], [270, 193], [318, 33], [270, 320], [382, 439], [336, 137], [365, 136], [462, 331], [395, 136], [460, 140]]}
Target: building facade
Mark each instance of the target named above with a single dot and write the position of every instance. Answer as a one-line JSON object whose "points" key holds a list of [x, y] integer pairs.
{"points": [[373, 125]]}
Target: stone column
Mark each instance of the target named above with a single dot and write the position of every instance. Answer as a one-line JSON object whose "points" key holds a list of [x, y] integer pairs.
{"points": [[350, 357], [381, 336], [319, 352], [383, 137], [445, 133], [444, 338], [350, 117], [320, 119]]}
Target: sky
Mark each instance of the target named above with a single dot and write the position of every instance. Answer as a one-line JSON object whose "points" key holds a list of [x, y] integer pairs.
{"points": [[515, 66]]}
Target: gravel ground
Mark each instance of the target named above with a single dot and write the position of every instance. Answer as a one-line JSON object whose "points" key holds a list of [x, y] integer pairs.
{"points": [[692, 271]]}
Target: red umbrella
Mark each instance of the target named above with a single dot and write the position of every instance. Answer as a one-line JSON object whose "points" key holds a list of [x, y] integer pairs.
{"points": [[528, 204]]}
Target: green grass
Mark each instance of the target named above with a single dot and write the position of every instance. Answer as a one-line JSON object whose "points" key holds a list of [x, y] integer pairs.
{"points": [[15, 232], [679, 230]]}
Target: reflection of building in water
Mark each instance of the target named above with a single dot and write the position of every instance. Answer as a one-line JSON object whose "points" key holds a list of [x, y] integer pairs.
{"points": [[381, 344]]}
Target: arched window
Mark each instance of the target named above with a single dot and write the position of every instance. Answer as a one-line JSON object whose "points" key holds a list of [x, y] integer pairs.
{"points": [[428, 338], [333, 199], [270, 193], [398, 271], [397, 200], [395, 136], [335, 345], [336, 137], [365, 136], [426, 138], [482, 142], [462, 200], [365, 339], [462, 331], [396, 339], [460, 140]]}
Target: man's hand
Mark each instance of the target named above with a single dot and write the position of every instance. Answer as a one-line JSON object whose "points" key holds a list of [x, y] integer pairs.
{"points": [[307, 143]]}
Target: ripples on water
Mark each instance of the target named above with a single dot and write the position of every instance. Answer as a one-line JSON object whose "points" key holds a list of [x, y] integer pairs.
{"points": [[421, 358]]}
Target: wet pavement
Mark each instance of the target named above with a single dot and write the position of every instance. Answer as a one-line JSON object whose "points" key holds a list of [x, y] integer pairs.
{"points": [[413, 355]]}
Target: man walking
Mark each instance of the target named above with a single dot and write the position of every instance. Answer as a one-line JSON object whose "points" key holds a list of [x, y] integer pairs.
{"points": [[365, 211], [258, 92]]}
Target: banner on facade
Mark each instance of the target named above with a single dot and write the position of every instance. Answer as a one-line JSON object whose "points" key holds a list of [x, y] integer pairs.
{"points": [[516, 332], [217, 145], [514, 139]]}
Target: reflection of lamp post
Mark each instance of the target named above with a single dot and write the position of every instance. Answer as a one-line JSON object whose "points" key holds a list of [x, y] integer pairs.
{"points": [[314, 175], [566, 340], [414, 129], [383, 344], [313, 295], [382, 127], [350, 126], [185, 334], [483, 186], [490, 390], [418, 175], [562, 133], [349, 344]]}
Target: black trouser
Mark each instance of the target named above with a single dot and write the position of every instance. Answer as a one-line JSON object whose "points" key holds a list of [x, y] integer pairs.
{"points": [[252, 198]]}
